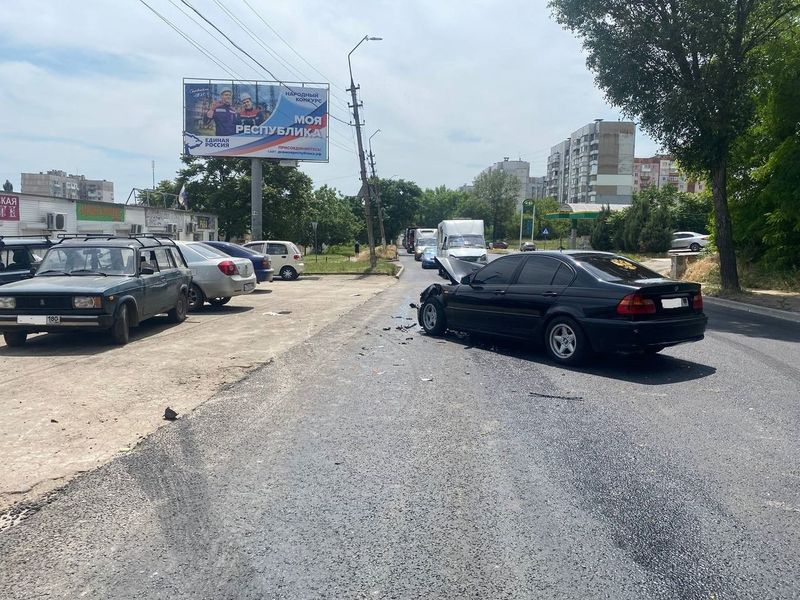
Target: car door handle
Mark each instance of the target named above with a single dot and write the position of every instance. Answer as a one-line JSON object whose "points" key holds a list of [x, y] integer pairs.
{"points": [[500, 293], [550, 294]]}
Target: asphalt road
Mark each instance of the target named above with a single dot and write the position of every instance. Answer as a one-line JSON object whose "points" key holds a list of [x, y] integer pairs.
{"points": [[377, 462]]}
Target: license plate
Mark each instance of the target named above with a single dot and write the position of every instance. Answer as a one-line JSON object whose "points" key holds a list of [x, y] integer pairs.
{"points": [[674, 302], [249, 286], [39, 319]]}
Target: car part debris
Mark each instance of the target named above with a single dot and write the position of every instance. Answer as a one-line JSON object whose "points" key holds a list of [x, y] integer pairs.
{"points": [[554, 397], [169, 414]]}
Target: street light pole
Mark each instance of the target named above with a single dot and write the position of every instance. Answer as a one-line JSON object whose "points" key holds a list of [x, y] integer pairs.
{"points": [[377, 189], [373, 259]]}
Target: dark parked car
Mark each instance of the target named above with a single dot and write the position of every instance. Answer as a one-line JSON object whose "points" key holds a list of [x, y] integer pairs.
{"points": [[20, 255], [261, 262], [99, 282], [575, 302], [498, 245]]}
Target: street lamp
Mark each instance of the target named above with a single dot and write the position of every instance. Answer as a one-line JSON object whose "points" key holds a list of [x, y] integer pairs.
{"points": [[373, 260], [377, 188]]}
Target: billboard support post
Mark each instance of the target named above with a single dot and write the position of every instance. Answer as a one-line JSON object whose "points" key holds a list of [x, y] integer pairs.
{"points": [[256, 199]]}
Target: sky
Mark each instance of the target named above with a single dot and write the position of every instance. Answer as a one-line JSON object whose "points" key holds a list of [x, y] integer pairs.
{"points": [[94, 87]]}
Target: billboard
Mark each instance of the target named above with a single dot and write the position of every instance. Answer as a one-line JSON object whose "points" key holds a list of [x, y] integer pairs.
{"points": [[108, 211], [9, 207], [264, 119]]}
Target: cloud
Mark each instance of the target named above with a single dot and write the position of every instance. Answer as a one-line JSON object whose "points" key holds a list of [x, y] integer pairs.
{"points": [[460, 136], [453, 84]]}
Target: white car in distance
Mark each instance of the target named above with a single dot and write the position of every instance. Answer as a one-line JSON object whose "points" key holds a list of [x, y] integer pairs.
{"points": [[689, 239], [285, 257], [216, 277]]}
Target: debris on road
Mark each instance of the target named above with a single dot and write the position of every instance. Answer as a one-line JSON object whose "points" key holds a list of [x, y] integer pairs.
{"points": [[555, 397], [426, 378], [169, 414]]}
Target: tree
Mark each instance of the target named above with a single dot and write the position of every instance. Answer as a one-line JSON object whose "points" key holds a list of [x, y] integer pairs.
{"points": [[8, 186], [400, 201], [601, 231], [439, 204], [336, 224], [498, 190], [687, 70], [765, 180]]}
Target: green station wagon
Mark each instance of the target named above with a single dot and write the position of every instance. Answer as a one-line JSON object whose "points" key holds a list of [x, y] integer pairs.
{"points": [[97, 282]]}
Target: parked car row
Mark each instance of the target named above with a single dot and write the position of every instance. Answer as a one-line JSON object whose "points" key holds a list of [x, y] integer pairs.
{"points": [[112, 283]]}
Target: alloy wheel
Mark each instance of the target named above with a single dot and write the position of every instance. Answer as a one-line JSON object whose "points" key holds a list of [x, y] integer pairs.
{"points": [[563, 341]]}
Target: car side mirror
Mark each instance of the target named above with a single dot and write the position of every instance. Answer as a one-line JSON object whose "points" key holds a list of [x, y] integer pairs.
{"points": [[147, 271], [466, 279]]}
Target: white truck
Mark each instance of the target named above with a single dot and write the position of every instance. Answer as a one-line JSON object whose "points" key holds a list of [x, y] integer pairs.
{"points": [[462, 239]]}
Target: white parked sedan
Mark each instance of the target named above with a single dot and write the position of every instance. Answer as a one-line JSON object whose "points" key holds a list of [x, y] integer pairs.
{"points": [[216, 277], [689, 239], [284, 256]]}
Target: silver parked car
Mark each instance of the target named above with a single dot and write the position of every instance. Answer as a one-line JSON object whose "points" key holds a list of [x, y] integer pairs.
{"points": [[216, 277], [689, 239]]}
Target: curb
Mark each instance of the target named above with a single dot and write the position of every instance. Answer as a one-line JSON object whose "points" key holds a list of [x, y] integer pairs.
{"points": [[751, 308], [399, 272]]}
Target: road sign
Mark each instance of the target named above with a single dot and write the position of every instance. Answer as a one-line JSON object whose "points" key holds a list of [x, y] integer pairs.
{"points": [[545, 231]]}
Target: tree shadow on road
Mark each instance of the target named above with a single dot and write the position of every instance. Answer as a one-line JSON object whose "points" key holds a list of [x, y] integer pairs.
{"points": [[725, 320]]}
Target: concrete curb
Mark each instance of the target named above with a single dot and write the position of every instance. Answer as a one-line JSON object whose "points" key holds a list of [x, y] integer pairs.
{"points": [[399, 272], [751, 308]]}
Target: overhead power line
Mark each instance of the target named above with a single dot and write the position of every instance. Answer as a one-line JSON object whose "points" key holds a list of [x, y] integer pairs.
{"points": [[197, 46]]}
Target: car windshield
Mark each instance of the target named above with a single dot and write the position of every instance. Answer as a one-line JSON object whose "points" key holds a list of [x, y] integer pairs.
{"points": [[426, 241], [87, 260], [466, 241], [616, 268]]}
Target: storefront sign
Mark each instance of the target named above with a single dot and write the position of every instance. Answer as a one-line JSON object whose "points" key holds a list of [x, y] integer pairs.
{"points": [[100, 212], [9, 207]]}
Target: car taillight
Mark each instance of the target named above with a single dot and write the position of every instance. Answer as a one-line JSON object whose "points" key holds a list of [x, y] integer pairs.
{"points": [[228, 267], [634, 304], [265, 263], [296, 257], [697, 301]]}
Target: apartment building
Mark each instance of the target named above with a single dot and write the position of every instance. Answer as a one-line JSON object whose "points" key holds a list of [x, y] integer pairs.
{"points": [[662, 170], [594, 165], [529, 187], [58, 184]]}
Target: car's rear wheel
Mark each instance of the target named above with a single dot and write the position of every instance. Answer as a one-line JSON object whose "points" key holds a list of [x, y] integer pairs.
{"points": [[121, 331], [178, 314], [432, 317], [196, 297], [695, 247], [15, 339], [288, 273], [219, 301], [565, 341]]}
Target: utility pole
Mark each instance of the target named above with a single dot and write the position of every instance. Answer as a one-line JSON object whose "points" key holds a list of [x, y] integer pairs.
{"points": [[377, 190], [365, 189]]}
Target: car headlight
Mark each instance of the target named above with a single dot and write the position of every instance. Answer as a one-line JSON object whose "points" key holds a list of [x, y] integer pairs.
{"points": [[87, 302], [8, 302], [483, 258]]}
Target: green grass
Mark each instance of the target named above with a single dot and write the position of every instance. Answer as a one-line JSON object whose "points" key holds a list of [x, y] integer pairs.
{"points": [[326, 264]]}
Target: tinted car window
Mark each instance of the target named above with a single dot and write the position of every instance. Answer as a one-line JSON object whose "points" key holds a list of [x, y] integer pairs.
{"points": [[498, 272], [207, 251], [276, 249], [616, 268], [563, 276], [538, 270]]}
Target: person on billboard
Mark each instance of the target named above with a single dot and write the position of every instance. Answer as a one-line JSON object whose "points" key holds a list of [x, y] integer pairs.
{"points": [[223, 114], [250, 114]]}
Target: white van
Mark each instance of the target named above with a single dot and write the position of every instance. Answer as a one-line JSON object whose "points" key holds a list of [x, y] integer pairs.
{"points": [[285, 257], [423, 238], [462, 239]]}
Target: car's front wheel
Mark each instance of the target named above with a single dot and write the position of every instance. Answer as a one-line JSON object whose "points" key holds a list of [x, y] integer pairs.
{"points": [[288, 273], [565, 341], [219, 301], [178, 314], [432, 317], [121, 331], [15, 339], [695, 247]]}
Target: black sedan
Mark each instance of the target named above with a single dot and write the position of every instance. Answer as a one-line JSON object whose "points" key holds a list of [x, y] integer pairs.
{"points": [[575, 302]]}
